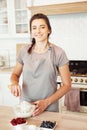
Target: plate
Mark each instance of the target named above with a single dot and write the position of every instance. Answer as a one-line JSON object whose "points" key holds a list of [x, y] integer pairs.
{"points": [[26, 127], [23, 124], [20, 127], [47, 128], [33, 127], [18, 122]]}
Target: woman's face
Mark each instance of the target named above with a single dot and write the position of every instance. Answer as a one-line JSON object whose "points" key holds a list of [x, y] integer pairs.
{"points": [[39, 30]]}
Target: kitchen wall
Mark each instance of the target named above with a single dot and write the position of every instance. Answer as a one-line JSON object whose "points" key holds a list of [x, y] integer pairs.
{"points": [[68, 31], [47, 2]]}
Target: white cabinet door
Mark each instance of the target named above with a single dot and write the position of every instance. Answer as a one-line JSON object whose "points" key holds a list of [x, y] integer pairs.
{"points": [[14, 18], [21, 16], [6, 98], [3, 18]]}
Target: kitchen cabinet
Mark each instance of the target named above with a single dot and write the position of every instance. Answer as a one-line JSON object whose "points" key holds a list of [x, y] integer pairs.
{"points": [[3, 17], [63, 8], [14, 18], [6, 98], [21, 16]]}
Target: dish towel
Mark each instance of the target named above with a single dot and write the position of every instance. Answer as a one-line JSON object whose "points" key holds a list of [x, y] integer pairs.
{"points": [[72, 100]]}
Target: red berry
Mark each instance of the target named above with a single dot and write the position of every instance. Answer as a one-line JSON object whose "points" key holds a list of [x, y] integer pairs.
{"points": [[18, 121], [13, 122]]}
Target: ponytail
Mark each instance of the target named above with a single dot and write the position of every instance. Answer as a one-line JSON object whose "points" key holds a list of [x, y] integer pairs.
{"points": [[30, 48]]}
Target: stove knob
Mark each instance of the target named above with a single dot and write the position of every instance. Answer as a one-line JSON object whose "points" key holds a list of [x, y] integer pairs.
{"points": [[71, 79], [81, 80], [86, 80], [75, 80]]}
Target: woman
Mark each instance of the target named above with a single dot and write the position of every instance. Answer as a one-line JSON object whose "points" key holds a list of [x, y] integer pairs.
{"points": [[40, 63]]}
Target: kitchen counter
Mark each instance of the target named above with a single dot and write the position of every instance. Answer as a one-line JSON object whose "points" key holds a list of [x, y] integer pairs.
{"points": [[6, 70], [64, 121]]}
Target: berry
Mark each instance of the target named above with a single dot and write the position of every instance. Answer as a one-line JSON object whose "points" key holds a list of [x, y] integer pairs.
{"points": [[17, 121], [48, 124]]}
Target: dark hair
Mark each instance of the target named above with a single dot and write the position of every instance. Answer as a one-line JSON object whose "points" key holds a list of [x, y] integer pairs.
{"points": [[38, 16]]}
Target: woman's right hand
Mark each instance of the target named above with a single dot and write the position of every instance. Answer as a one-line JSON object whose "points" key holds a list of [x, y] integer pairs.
{"points": [[15, 90]]}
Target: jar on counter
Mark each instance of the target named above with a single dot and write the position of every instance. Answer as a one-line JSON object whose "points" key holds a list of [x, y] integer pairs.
{"points": [[2, 62]]}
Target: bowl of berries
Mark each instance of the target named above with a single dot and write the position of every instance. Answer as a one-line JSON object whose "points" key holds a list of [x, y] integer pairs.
{"points": [[48, 125], [18, 121]]}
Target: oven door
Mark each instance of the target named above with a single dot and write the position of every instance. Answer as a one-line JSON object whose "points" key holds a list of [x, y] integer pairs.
{"points": [[83, 100]]}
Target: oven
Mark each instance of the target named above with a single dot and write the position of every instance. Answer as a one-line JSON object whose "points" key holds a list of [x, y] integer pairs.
{"points": [[78, 70], [83, 100]]}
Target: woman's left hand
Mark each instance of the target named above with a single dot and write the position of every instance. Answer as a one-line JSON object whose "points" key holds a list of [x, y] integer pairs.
{"points": [[41, 105]]}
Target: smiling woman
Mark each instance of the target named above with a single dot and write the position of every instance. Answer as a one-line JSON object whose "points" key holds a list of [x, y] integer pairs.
{"points": [[40, 63], [40, 32]]}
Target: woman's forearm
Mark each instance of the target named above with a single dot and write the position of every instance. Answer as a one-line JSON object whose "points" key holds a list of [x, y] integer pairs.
{"points": [[58, 94], [14, 79]]}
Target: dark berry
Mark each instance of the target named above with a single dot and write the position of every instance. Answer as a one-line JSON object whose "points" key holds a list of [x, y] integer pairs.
{"points": [[48, 124]]}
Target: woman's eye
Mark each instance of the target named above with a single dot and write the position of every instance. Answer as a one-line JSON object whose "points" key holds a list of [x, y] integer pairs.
{"points": [[42, 27], [34, 28]]}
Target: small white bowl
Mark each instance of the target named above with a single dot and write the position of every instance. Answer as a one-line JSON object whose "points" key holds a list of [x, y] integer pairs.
{"points": [[33, 127], [20, 127]]}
